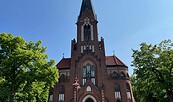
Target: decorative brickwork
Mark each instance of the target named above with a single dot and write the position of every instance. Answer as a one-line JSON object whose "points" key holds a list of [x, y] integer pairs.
{"points": [[101, 78]]}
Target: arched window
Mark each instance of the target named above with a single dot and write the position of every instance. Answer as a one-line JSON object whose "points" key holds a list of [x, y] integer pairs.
{"points": [[88, 88], [62, 78], [87, 32], [114, 75], [128, 92], [61, 93], [88, 73], [117, 93], [122, 75]]}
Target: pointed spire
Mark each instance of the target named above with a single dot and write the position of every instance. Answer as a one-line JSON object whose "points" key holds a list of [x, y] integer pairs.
{"points": [[86, 4]]}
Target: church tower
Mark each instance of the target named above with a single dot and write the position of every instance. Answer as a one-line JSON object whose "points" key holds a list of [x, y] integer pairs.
{"points": [[89, 75]]}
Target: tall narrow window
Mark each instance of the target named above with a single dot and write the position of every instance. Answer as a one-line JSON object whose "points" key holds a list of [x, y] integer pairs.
{"points": [[92, 35], [92, 48], [128, 92], [61, 93], [87, 32], [92, 75], [51, 98], [88, 73], [117, 93], [51, 95], [84, 76]]}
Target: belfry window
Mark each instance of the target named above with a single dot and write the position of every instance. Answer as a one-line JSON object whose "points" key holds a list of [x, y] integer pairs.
{"points": [[88, 73], [87, 32], [117, 93]]}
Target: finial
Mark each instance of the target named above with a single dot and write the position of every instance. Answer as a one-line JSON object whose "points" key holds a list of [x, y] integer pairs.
{"points": [[63, 55], [113, 53]]}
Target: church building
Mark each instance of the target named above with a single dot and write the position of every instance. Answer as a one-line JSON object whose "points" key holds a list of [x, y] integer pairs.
{"points": [[89, 75]]}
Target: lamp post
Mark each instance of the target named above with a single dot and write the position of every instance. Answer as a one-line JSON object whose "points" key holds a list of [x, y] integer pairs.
{"points": [[77, 87]]}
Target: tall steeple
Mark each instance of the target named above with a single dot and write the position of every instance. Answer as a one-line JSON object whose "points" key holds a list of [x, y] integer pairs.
{"points": [[87, 5], [87, 34]]}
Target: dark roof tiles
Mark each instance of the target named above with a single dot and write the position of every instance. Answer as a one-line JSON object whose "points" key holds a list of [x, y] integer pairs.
{"points": [[65, 63], [86, 4], [114, 61]]}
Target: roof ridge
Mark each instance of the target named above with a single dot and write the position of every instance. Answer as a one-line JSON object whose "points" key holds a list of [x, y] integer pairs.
{"points": [[120, 61], [115, 58]]}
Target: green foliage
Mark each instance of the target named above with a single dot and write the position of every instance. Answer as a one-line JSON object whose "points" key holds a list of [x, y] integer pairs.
{"points": [[153, 73], [25, 73]]}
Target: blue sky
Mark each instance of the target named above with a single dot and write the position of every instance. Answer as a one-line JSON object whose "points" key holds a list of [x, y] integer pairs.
{"points": [[124, 24]]}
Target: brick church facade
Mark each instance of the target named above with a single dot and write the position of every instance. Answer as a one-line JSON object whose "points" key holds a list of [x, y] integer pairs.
{"points": [[89, 75]]}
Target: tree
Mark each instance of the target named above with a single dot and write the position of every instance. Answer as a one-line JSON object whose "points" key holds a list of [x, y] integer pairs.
{"points": [[25, 73], [154, 72]]}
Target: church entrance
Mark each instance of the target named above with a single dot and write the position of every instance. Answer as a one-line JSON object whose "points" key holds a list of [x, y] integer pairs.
{"points": [[89, 100]]}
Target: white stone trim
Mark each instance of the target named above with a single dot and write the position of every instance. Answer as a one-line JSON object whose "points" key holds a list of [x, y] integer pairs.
{"points": [[93, 80], [83, 81], [92, 35], [87, 22], [88, 89], [82, 33], [92, 48], [128, 95], [61, 97], [117, 95], [81, 49], [89, 96]]}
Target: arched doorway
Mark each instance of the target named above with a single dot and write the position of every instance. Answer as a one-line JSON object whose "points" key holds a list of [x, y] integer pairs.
{"points": [[89, 100]]}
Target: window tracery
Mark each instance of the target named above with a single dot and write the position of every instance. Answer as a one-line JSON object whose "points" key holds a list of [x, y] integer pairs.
{"points": [[87, 30], [88, 73]]}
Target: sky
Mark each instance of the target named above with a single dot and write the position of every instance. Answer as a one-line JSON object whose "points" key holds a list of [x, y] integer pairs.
{"points": [[123, 24]]}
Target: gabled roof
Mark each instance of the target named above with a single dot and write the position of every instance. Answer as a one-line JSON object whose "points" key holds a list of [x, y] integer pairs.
{"points": [[114, 61], [86, 4], [65, 63]]}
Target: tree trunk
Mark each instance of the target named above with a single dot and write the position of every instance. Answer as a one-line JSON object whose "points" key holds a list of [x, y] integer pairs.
{"points": [[12, 94], [170, 96]]}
